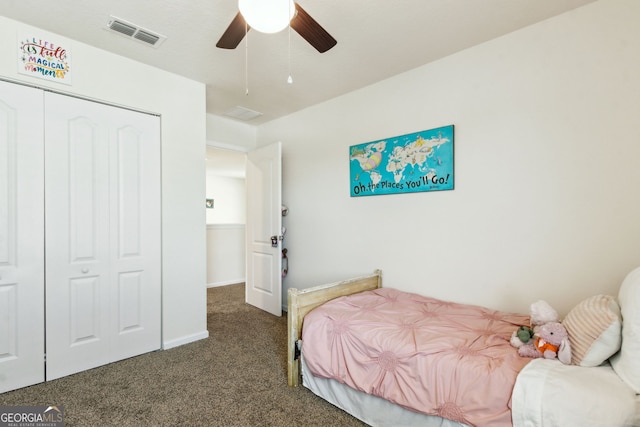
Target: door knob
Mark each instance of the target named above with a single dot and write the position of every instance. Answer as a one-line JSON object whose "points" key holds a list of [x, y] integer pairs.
{"points": [[85, 270]]}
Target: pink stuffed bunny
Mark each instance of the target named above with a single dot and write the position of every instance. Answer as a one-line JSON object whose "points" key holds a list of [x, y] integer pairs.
{"points": [[550, 341]]}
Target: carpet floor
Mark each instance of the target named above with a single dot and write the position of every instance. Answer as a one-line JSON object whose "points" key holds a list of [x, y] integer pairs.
{"points": [[236, 377]]}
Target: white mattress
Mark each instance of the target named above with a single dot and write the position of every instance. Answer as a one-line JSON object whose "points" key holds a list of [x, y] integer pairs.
{"points": [[547, 393]]}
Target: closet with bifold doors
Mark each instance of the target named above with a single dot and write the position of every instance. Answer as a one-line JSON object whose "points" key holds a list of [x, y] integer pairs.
{"points": [[80, 235]]}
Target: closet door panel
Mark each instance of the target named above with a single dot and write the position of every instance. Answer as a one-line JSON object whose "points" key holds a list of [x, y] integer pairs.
{"points": [[135, 221], [21, 237], [85, 173], [77, 236], [103, 234]]}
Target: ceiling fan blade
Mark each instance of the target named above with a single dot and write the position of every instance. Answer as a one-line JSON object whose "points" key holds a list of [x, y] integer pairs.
{"points": [[234, 33], [311, 31]]}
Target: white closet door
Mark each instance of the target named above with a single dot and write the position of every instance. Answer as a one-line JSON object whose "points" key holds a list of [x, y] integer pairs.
{"points": [[135, 228], [102, 204], [21, 237]]}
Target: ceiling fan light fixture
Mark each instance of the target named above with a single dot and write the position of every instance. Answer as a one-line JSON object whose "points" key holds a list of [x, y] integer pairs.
{"points": [[267, 16]]}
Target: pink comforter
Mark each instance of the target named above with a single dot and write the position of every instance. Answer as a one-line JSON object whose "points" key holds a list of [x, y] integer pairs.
{"points": [[427, 355]]}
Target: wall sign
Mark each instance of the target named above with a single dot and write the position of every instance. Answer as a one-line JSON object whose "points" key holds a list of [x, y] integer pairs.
{"points": [[416, 162], [44, 57]]}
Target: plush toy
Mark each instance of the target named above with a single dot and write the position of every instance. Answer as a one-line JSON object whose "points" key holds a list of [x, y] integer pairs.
{"points": [[521, 336], [540, 312], [550, 341]]}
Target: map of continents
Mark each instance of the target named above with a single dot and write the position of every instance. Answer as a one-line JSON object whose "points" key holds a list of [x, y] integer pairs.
{"points": [[421, 161]]}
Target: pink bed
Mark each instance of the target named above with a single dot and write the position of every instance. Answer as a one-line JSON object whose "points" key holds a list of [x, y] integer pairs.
{"points": [[397, 359], [426, 355]]}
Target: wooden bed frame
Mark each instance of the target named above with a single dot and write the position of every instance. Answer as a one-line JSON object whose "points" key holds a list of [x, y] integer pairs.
{"points": [[300, 302]]}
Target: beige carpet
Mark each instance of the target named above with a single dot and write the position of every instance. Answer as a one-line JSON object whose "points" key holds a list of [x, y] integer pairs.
{"points": [[236, 377]]}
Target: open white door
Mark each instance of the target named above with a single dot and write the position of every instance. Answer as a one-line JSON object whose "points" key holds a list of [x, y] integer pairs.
{"points": [[264, 222]]}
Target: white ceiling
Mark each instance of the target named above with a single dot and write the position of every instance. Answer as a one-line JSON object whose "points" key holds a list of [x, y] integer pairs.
{"points": [[376, 39]]}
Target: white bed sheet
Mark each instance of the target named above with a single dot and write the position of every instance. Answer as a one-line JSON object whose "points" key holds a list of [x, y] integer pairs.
{"points": [[550, 394], [547, 393]]}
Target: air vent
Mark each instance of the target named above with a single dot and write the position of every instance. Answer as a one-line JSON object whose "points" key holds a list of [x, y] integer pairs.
{"points": [[242, 113], [121, 27], [134, 31], [146, 37]]}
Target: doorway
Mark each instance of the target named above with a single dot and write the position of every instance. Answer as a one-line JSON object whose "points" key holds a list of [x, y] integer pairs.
{"points": [[226, 216]]}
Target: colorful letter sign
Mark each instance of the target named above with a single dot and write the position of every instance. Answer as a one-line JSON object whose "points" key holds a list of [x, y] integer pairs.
{"points": [[44, 58]]}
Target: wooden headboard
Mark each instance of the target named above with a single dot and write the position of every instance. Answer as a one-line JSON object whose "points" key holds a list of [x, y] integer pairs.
{"points": [[300, 302]]}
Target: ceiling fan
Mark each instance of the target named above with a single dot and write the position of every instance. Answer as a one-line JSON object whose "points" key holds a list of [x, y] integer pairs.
{"points": [[301, 22]]}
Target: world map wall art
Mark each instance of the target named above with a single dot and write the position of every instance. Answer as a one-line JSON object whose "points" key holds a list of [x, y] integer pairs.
{"points": [[416, 162]]}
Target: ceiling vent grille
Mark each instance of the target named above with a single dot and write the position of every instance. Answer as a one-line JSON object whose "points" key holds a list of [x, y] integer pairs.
{"points": [[134, 31], [242, 113], [146, 37]]}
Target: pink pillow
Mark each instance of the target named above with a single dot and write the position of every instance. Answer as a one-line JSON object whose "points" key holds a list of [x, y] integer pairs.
{"points": [[594, 328]]}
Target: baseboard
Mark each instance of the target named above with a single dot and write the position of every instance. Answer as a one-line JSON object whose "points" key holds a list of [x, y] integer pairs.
{"points": [[185, 340], [225, 283]]}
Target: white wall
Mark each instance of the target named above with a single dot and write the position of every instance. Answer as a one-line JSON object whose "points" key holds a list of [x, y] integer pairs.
{"points": [[181, 104], [223, 132], [226, 230], [546, 200], [225, 254], [230, 199]]}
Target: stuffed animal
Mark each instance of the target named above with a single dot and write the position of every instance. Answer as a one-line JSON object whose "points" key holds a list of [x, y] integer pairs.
{"points": [[521, 336], [550, 341], [540, 312]]}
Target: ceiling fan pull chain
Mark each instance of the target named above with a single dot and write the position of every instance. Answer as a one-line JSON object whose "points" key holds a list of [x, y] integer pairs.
{"points": [[246, 59], [290, 79]]}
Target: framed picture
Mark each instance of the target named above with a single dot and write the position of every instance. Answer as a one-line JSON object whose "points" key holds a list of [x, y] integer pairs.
{"points": [[209, 203], [416, 162]]}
